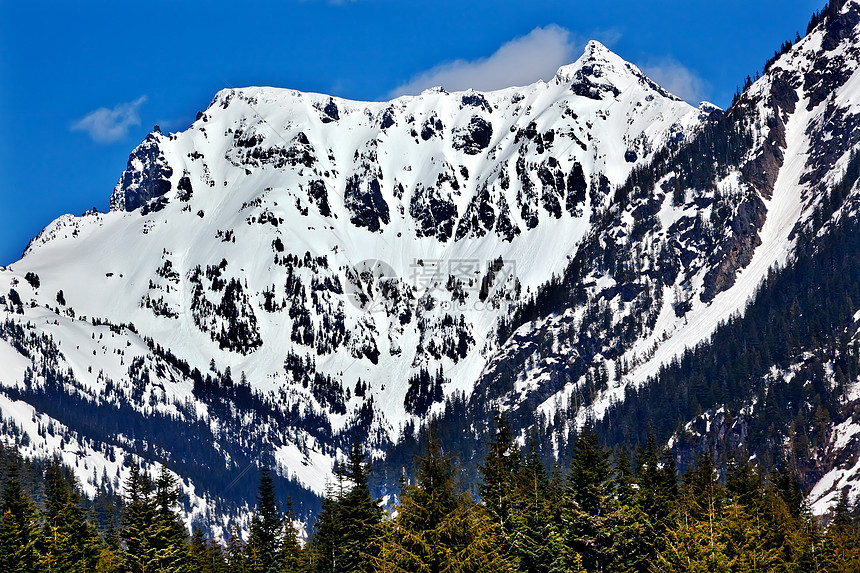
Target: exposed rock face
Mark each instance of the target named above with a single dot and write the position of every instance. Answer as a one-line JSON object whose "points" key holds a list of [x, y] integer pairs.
{"points": [[475, 137], [736, 251], [611, 211], [146, 177]]}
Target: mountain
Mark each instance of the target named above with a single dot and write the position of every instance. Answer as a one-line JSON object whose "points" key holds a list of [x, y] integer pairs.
{"points": [[296, 270]]}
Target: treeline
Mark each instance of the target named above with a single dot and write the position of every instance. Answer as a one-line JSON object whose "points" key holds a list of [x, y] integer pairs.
{"points": [[792, 321], [607, 514]]}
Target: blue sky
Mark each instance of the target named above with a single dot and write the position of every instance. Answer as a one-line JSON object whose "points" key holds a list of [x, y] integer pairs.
{"points": [[81, 83]]}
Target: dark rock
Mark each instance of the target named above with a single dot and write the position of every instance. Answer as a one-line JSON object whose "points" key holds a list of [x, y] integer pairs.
{"points": [[736, 251], [577, 187], [553, 188], [318, 194], [363, 198], [387, 119], [434, 213], [137, 186], [184, 190], [475, 99], [330, 112], [475, 137]]}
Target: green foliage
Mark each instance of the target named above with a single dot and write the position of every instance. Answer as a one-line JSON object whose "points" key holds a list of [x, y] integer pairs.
{"points": [[69, 541], [439, 528], [347, 528], [266, 538], [18, 526], [605, 515]]}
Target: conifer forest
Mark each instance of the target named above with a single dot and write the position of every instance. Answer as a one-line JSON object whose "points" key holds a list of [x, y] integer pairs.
{"points": [[577, 326], [613, 511]]}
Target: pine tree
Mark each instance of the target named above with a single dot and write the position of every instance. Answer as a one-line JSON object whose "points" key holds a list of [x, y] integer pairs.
{"points": [[137, 521], [698, 542], [291, 550], [359, 513], [324, 553], [590, 510], [168, 532], [69, 541], [840, 551], [237, 560], [438, 528], [498, 473], [18, 525], [346, 532], [631, 528], [266, 535], [205, 557], [655, 498], [535, 540]]}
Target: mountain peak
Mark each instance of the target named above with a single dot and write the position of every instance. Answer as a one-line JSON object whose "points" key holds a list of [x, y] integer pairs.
{"points": [[594, 53], [600, 71]]}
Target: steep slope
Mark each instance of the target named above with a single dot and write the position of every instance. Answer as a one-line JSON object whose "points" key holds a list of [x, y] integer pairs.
{"points": [[295, 269], [686, 246]]}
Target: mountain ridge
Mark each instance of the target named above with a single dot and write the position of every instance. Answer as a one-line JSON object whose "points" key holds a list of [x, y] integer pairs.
{"points": [[296, 268]]}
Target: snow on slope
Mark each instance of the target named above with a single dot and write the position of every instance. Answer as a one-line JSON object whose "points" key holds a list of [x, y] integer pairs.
{"points": [[700, 248], [240, 243], [793, 199]]}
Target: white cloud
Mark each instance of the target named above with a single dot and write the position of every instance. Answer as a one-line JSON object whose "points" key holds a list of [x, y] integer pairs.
{"points": [[522, 61], [678, 79], [107, 125]]}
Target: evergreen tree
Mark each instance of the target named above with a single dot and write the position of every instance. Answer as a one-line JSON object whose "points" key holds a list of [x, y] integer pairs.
{"points": [[18, 525], [168, 532], [69, 541], [632, 531], [324, 554], [205, 557], [346, 531], [359, 514], [291, 550], [266, 537], [498, 473], [438, 528], [590, 510], [137, 520], [534, 540], [840, 551], [655, 498], [237, 560]]}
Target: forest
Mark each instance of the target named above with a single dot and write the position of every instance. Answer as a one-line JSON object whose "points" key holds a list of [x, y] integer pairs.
{"points": [[613, 511]]}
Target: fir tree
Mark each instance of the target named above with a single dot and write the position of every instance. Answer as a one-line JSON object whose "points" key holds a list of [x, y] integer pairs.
{"points": [[324, 553], [69, 541], [237, 561], [266, 536], [535, 540], [359, 514], [205, 557], [346, 531], [498, 473], [168, 533], [840, 551], [291, 550], [18, 525], [438, 528], [590, 511], [138, 517]]}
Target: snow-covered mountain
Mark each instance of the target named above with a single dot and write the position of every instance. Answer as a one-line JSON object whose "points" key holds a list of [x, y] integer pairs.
{"points": [[296, 269]]}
